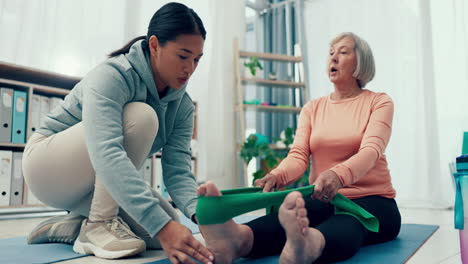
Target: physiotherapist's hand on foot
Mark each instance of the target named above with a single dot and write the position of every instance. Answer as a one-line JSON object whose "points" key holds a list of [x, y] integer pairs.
{"points": [[268, 182], [326, 186], [179, 244]]}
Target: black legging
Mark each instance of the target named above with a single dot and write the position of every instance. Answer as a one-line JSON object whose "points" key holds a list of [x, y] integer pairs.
{"points": [[344, 234]]}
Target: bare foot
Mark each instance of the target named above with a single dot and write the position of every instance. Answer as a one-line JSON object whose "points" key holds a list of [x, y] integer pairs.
{"points": [[303, 244], [227, 241]]}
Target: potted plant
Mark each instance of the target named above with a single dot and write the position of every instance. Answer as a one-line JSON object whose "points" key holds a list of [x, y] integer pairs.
{"points": [[253, 64], [257, 146], [286, 138]]}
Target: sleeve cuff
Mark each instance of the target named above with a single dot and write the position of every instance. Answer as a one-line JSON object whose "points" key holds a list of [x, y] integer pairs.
{"points": [[153, 223], [190, 209], [344, 174], [280, 177]]}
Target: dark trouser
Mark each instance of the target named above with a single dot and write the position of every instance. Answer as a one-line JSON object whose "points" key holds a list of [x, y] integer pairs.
{"points": [[344, 234]]}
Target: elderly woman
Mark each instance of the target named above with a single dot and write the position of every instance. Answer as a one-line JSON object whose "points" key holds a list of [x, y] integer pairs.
{"points": [[346, 134]]}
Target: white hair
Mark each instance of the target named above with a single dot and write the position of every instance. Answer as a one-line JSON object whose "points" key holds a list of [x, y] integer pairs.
{"points": [[365, 67]]}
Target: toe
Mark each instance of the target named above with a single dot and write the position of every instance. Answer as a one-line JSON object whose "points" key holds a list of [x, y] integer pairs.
{"points": [[302, 212], [212, 190], [291, 200], [201, 190], [300, 203]]}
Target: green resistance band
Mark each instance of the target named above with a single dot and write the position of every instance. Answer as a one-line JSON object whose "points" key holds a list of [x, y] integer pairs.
{"points": [[234, 202]]}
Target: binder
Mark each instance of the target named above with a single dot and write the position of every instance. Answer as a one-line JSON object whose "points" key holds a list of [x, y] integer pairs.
{"points": [[18, 128], [157, 182], [45, 107], [54, 102], [16, 190], [5, 176], [141, 172], [6, 102], [147, 171], [193, 168], [29, 198], [35, 114]]}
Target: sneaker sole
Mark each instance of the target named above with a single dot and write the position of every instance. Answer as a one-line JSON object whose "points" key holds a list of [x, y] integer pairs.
{"points": [[88, 248], [34, 236]]}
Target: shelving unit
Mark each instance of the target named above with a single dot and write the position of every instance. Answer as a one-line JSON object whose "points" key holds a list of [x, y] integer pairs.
{"points": [[271, 108], [269, 56], [272, 82], [31, 81], [45, 83], [29, 211], [12, 145], [241, 81]]}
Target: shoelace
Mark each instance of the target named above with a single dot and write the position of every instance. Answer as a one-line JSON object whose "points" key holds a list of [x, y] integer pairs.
{"points": [[120, 228]]}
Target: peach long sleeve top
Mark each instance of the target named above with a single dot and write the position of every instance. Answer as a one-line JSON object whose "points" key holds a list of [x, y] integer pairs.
{"points": [[346, 136]]}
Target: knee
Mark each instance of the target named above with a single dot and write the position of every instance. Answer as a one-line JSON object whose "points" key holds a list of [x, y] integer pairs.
{"points": [[390, 232], [389, 226], [140, 120]]}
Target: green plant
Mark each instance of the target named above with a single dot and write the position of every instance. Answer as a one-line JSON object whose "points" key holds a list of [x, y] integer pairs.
{"points": [[253, 64], [288, 135], [257, 146]]}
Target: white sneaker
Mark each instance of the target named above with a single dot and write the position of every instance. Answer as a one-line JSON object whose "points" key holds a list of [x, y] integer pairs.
{"points": [[57, 229], [108, 239]]}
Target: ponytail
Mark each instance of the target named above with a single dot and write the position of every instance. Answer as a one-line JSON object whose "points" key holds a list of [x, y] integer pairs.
{"points": [[170, 21], [125, 49]]}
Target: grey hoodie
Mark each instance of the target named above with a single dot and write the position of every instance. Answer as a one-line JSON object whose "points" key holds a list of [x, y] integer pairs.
{"points": [[98, 100]]}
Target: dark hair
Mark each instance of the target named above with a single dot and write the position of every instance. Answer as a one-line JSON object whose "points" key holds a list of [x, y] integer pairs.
{"points": [[170, 21]]}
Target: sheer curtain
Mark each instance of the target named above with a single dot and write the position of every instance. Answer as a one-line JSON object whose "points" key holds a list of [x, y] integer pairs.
{"points": [[280, 37], [421, 61], [450, 31], [71, 37], [61, 36], [214, 88]]}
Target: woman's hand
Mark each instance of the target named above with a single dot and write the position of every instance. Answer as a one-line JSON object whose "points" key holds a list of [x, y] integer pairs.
{"points": [[268, 182], [326, 186], [179, 245]]}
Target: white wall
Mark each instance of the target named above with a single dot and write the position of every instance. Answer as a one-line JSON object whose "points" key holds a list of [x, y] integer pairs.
{"points": [[60, 36]]}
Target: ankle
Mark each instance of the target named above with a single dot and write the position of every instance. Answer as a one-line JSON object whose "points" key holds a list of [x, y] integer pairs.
{"points": [[97, 221], [318, 240], [246, 240], [90, 223]]}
